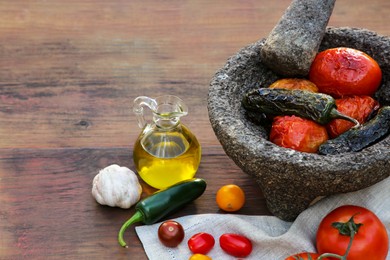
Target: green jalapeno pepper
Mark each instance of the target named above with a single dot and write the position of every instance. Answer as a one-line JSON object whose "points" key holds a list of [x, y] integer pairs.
{"points": [[359, 138], [318, 107], [164, 202]]}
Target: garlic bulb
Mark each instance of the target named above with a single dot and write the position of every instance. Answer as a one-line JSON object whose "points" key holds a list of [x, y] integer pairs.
{"points": [[116, 186]]}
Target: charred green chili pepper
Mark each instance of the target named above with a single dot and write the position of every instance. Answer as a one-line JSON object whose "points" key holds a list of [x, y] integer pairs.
{"points": [[164, 202], [359, 138], [318, 107]]}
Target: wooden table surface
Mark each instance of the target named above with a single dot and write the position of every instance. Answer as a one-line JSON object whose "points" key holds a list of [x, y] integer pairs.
{"points": [[69, 71]]}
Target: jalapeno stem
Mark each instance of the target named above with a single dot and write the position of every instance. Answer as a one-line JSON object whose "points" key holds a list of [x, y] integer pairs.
{"points": [[334, 113], [137, 217]]}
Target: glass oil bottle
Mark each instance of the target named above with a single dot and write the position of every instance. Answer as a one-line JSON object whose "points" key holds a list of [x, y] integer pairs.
{"points": [[165, 152]]}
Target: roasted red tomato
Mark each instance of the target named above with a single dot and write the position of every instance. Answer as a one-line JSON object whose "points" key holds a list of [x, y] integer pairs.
{"points": [[305, 256], [358, 107], [344, 71], [171, 233], [201, 243], [295, 83], [297, 133], [235, 245], [370, 240]]}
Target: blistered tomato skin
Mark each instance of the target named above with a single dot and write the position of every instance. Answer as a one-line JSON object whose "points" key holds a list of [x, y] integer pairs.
{"points": [[295, 83], [235, 245], [297, 133], [357, 107], [344, 71], [171, 233], [201, 243]]}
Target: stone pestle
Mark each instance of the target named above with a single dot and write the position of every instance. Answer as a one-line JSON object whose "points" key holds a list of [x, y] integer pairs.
{"points": [[293, 43]]}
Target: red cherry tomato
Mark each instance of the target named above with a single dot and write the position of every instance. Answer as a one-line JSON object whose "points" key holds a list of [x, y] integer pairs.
{"points": [[358, 107], [297, 133], [370, 241], [305, 256], [235, 245], [201, 243], [345, 71], [171, 233]]}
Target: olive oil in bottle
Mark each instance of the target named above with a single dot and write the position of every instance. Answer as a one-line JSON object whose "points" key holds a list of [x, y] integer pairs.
{"points": [[166, 152], [163, 159]]}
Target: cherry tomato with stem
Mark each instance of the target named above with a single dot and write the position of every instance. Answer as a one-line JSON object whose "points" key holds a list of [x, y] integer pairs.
{"points": [[171, 233], [235, 245], [201, 243]]}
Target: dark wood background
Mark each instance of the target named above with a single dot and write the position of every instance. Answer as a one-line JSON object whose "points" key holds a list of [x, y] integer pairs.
{"points": [[69, 71]]}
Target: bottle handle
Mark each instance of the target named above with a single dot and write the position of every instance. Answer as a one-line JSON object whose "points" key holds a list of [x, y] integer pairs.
{"points": [[138, 108]]}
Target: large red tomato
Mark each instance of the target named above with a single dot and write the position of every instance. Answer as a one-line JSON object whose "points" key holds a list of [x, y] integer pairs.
{"points": [[345, 71], [358, 107], [297, 133], [305, 256], [370, 240]]}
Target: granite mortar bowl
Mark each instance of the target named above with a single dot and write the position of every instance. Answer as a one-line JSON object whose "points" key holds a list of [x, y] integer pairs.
{"points": [[291, 181]]}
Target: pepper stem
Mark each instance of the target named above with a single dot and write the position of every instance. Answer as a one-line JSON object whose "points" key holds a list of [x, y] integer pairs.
{"points": [[137, 217], [334, 113]]}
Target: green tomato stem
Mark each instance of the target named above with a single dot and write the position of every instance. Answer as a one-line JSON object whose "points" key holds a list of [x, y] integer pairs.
{"points": [[137, 217], [343, 257]]}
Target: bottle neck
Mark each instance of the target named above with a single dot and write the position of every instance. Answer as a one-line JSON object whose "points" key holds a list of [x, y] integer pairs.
{"points": [[167, 123]]}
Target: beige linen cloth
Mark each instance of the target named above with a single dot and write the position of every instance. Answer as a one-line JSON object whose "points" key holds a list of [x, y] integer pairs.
{"points": [[272, 238]]}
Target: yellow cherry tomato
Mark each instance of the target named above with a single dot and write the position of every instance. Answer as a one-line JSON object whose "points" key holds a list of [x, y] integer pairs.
{"points": [[230, 198], [200, 257]]}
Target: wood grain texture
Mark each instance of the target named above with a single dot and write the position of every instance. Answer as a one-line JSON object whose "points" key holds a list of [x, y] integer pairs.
{"points": [[69, 71]]}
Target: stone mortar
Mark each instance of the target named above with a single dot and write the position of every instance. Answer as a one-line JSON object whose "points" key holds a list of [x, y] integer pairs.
{"points": [[291, 181]]}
